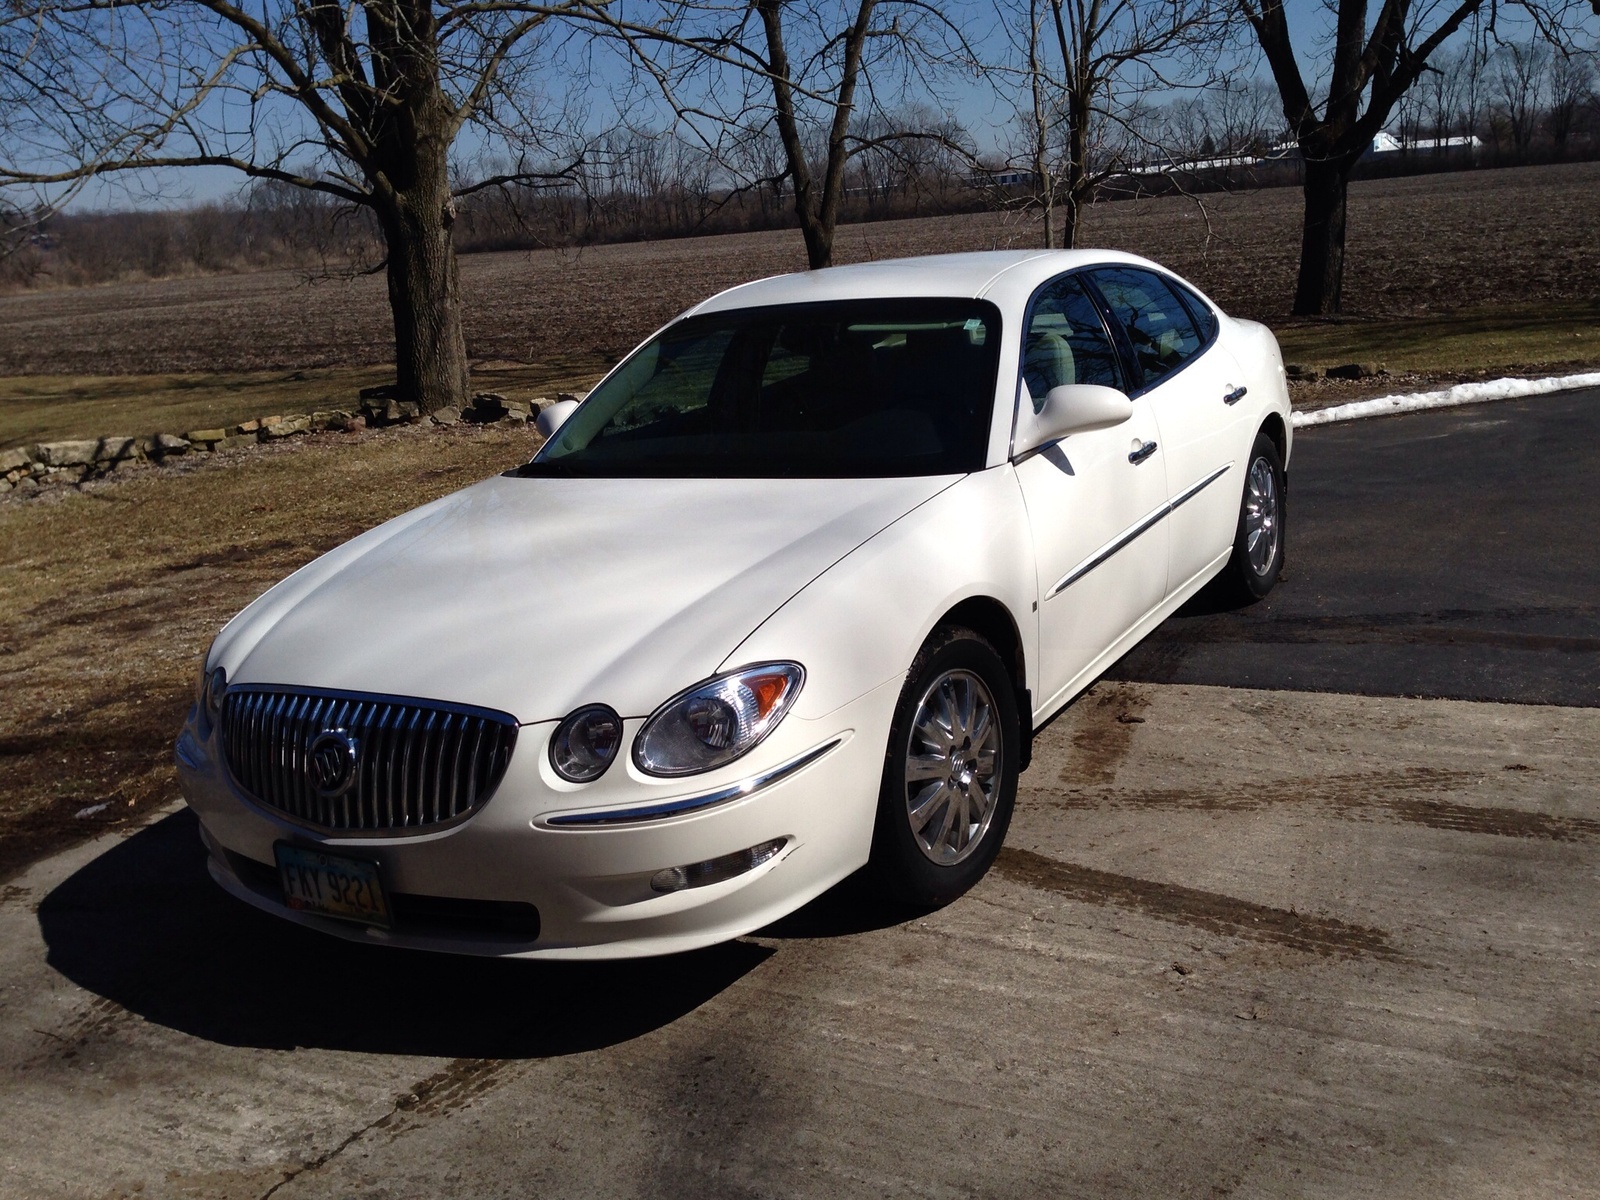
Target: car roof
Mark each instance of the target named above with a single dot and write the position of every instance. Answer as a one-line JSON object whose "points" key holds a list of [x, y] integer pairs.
{"points": [[1008, 277]]}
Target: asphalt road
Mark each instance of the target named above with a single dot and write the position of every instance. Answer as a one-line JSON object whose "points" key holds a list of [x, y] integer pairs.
{"points": [[1241, 942], [1453, 553]]}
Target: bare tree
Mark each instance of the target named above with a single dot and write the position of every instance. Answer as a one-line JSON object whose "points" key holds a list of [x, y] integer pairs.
{"points": [[1521, 69], [22, 53], [1571, 84], [1228, 119], [809, 74], [1090, 68], [1246, 116], [1442, 89], [1373, 64], [361, 102], [892, 167]]}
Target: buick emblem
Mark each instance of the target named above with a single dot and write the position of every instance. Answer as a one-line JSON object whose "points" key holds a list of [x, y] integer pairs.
{"points": [[333, 763]]}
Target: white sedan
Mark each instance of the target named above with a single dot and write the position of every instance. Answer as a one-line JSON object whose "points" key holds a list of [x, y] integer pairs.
{"points": [[785, 596]]}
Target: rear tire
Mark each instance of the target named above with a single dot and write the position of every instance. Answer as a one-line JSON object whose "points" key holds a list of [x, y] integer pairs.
{"points": [[949, 773], [1259, 540]]}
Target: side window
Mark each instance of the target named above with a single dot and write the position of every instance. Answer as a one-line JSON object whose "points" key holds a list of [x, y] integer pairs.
{"points": [[1159, 326], [1204, 319], [1066, 341]]}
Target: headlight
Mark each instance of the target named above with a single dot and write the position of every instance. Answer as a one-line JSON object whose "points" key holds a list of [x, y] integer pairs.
{"points": [[715, 722], [584, 744]]}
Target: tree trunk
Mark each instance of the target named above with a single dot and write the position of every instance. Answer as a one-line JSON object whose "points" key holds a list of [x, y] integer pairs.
{"points": [[1043, 180], [1080, 188], [425, 297], [818, 234], [1069, 220], [1321, 282]]}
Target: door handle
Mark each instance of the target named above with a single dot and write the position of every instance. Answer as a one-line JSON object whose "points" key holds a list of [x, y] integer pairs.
{"points": [[1143, 452], [1238, 394]]}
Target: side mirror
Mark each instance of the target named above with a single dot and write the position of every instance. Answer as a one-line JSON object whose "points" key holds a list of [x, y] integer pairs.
{"points": [[555, 416], [1068, 409]]}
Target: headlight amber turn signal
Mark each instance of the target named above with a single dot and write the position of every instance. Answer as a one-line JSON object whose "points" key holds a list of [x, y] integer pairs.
{"points": [[717, 721]]}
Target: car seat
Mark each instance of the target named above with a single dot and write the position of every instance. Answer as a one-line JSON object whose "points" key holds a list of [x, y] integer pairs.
{"points": [[1047, 363]]}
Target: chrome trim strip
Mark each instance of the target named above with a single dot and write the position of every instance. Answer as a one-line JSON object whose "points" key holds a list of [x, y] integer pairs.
{"points": [[1143, 525], [1201, 486], [1120, 542], [688, 804]]}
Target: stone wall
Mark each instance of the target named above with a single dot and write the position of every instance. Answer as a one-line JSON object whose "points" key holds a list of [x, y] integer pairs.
{"points": [[24, 471]]}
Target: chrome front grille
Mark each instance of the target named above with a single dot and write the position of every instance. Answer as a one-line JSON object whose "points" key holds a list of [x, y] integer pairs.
{"points": [[411, 763]]}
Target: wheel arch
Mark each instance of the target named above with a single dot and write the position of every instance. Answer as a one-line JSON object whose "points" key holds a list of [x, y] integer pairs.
{"points": [[1275, 429], [992, 620]]}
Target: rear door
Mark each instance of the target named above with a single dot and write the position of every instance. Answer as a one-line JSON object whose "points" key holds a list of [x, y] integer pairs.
{"points": [[1096, 501], [1185, 379]]}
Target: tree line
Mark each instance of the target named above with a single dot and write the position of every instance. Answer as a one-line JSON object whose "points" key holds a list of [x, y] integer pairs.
{"points": [[391, 135], [639, 185]]}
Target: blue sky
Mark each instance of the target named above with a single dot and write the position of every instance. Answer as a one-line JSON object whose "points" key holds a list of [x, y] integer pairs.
{"points": [[976, 107]]}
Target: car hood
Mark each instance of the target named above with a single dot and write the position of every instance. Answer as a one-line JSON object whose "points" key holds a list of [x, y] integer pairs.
{"points": [[533, 596]]}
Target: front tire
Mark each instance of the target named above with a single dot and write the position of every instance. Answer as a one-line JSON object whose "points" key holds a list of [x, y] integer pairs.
{"points": [[950, 771], [1258, 544]]}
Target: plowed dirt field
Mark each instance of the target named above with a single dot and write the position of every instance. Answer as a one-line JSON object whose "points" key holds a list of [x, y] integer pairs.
{"points": [[1518, 237]]}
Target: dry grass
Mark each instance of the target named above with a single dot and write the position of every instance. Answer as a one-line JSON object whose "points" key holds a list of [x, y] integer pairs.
{"points": [[1541, 338], [1425, 353], [108, 598]]}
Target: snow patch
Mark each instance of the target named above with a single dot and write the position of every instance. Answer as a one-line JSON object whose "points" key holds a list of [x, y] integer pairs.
{"points": [[1462, 393]]}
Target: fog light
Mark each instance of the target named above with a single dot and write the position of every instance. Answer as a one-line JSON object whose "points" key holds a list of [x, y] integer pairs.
{"points": [[715, 870]]}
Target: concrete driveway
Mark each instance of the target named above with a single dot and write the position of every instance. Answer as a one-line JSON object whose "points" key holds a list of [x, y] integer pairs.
{"points": [[1243, 941]]}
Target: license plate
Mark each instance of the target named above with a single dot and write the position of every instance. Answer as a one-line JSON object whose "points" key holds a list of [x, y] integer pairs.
{"points": [[331, 885]]}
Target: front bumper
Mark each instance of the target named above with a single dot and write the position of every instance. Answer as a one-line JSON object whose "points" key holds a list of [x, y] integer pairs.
{"points": [[533, 844]]}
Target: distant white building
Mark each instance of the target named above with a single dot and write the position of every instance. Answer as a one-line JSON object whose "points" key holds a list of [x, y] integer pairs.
{"points": [[1289, 150], [1474, 143], [1001, 177], [1388, 143]]}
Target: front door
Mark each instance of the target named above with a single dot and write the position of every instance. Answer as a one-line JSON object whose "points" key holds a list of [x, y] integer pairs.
{"points": [[1096, 501]]}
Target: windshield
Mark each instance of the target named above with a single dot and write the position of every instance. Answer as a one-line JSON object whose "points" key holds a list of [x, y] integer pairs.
{"points": [[859, 388]]}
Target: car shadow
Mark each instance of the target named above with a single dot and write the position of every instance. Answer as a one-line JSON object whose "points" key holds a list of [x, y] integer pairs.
{"points": [[144, 925], [853, 906], [1215, 597]]}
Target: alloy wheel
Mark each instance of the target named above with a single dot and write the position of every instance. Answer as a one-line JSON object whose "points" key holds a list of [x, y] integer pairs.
{"points": [[1261, 517], [953, 767]]}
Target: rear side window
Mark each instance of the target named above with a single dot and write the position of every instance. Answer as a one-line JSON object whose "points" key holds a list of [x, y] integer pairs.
{"points": [[1205, 321], [1163, 334], [1066, 341]]}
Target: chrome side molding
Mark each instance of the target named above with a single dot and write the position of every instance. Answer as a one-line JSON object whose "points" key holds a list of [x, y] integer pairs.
{"points": [[689, 804], [1143, 525]]}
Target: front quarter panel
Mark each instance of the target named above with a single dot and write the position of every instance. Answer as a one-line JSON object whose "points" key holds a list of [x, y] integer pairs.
{"points": [[860, 623]]}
